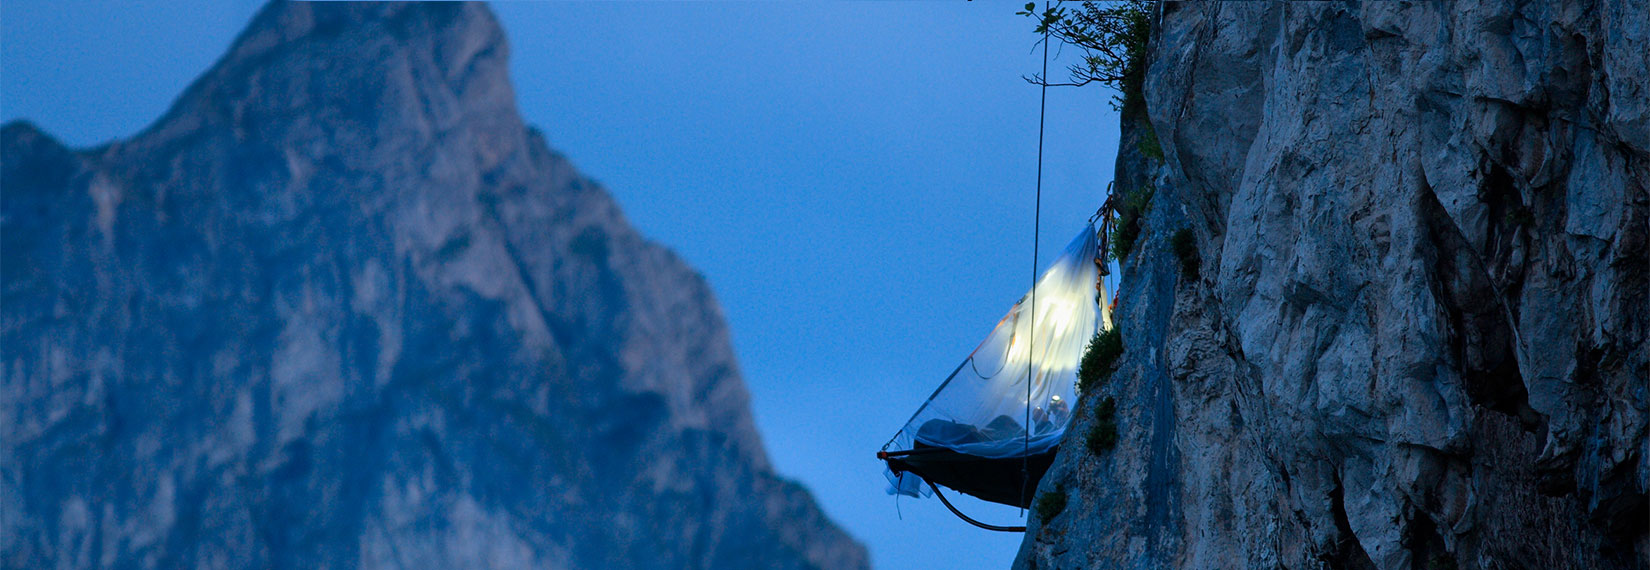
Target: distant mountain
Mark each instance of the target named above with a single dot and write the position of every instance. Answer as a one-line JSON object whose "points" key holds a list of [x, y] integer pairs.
{"points": [[340, 308], [1390, 306]]}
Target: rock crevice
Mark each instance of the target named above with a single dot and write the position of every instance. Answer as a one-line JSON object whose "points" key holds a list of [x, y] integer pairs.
{"points": [[1420, 335]]}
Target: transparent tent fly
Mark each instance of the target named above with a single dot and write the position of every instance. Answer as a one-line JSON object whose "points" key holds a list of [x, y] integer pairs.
{"points": [[983, 408]]}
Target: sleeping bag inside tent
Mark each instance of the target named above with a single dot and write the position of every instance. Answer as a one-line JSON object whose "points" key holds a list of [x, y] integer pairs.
{"points": [[993, 426]]}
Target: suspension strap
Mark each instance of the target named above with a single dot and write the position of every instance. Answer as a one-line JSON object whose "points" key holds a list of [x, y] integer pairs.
{"points": [[1036, 242], [966, 518]]}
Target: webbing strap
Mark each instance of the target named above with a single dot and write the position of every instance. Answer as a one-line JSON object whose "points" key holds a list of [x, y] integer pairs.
{"points": [[966, 518]]}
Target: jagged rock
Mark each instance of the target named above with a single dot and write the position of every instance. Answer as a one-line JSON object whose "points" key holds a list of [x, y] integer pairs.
{"points": [[340, 308], [1421, 335]]}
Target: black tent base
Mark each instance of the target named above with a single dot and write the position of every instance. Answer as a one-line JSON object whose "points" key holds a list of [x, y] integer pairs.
{"points": [[1008, 481]]}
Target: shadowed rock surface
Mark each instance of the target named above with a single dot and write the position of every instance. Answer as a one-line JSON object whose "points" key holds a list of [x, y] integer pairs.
{"points": [[1420, 332], [340, 308]]}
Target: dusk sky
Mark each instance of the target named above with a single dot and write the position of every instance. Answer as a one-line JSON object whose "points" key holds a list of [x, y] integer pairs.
{"points": [[854, 179]]}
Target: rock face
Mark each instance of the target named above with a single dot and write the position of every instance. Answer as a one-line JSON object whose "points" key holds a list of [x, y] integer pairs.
{"points": [[340, 308], [1419, 334]]}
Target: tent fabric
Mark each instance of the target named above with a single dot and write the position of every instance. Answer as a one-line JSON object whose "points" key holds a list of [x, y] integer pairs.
{"points": [[981, 409], [1007, 481]]}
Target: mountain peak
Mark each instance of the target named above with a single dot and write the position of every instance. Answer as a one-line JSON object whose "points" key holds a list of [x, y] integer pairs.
{"points": [[378, 72], [339, 307]]}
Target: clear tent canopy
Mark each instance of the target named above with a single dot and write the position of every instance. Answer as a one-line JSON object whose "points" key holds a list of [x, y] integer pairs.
{"points": [[1023, 374]]}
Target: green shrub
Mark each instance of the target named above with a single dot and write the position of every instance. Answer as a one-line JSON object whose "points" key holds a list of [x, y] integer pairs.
{"points": [[1147, 143], [1136, 202], [1138, 36], [1122, 238], [1185, 248], [1051, 504], [1126, 230], [1102, 436], [1106, 409], [1099, 360]]}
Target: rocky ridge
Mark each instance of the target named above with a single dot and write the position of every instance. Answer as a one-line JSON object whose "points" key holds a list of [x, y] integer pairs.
{"points": [[339, 307]]}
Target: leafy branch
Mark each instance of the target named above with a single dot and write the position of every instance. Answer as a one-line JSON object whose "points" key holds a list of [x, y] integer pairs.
{"points": [[1113, 36]]}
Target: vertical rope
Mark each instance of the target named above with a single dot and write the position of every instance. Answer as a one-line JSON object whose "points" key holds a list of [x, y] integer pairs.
{"points": [[1036, 244]]}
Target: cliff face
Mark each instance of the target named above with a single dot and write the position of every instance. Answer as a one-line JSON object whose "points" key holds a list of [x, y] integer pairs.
{"points": [[340, 308], [1419, 334]]}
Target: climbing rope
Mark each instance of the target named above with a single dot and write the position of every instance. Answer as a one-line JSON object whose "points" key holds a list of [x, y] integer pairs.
{"points": [[1104, 215], [1037, 228]]}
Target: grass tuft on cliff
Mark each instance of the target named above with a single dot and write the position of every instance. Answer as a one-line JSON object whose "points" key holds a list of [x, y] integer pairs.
{"points": [[1102, 435], [1099, 360], [1051, 504], [1126, 231], [1147, 142]]}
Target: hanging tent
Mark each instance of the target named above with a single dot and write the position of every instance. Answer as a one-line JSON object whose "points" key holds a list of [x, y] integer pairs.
{"points": [[971, 434]]}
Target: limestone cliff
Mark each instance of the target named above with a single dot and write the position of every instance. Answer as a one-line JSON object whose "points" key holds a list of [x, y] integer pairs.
{"points": [[340, 308], [1418, 330]]}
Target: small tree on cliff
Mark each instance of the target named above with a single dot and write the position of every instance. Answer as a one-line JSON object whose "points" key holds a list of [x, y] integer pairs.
{"points": [[1112, 35]]}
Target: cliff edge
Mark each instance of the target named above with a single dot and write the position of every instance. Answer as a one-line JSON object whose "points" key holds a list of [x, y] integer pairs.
{"points": [[1416, 331]]}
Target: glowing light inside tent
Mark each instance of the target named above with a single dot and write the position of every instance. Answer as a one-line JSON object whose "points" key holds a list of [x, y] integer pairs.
{"points": [[1027, 365]]}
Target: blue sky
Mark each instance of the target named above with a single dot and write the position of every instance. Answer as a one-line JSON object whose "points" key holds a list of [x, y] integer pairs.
{"points": [[855, 179]]}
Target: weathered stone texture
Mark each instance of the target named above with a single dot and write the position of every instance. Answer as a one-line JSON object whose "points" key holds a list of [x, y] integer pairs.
{"points": [[1421, 335], [340, 308]]}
